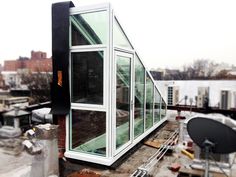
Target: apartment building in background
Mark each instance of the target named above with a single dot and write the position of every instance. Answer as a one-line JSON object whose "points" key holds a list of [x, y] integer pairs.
{"points": [[12, 69], [38, 62]]}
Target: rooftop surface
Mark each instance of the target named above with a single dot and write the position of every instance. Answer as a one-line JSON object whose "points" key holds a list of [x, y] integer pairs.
{"points": [[139, 156], [11, 165]]}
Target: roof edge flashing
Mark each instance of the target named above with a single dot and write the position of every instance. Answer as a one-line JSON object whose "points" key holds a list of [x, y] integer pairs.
{"points": [[89, 8]]}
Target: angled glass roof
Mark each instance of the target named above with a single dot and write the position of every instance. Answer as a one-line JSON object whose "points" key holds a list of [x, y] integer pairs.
{"points": [[89, 28], [120, 38]]}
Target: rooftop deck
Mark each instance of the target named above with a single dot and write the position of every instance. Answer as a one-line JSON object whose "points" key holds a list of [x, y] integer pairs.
{"points": [[137, 158], [141, 155]]}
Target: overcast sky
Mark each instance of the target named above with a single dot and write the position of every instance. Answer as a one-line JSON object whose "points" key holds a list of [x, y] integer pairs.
{"points": [[165, 33]]}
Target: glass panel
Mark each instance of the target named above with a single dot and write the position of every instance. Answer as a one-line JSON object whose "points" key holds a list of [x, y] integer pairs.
{"points": [[163, 109], [157, 106], [149, 102], [123, 79], [89, 132], [120, 38], [139, 98], [89, 28], [87, 77]]}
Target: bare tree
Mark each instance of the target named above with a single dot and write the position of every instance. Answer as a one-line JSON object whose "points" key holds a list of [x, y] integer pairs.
{"points": [[202, 69], [222, 74], [211, 68], [39, 85]]}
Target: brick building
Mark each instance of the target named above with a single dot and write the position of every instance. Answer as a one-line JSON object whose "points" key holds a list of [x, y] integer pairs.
{"points": [[37, 63]]}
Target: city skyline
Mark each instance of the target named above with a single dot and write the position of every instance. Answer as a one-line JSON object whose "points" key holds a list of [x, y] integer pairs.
{"points": [[165, 34]]}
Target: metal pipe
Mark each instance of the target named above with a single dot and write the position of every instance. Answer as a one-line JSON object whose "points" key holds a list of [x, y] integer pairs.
{"points": [[143, 169], [206, 162], [161, 152]]}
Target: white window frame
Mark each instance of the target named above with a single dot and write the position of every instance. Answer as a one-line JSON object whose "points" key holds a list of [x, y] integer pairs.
{"points": [[91, 107], [85, 105], [109, 78], [131, 56]]}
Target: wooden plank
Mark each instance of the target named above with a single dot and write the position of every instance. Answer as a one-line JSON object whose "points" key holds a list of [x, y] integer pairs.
{"points": [[156, 144]]}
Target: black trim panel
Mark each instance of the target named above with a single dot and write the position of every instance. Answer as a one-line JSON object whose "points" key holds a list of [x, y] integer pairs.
{"points": [[60, 58]]}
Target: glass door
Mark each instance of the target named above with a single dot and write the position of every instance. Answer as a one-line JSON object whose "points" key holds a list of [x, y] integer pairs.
{"points": [[124, 99]]}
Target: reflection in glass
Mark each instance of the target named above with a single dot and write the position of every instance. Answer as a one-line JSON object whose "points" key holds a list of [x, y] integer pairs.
{"points": [[149, 102], [139, 97], [120, 38], [123, 76], [89, 132], [157, 106], [89, 28], [163, 109], [87, 77]]}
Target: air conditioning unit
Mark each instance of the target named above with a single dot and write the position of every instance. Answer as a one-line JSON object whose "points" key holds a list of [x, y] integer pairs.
{"points": [[202, 97], [225, 99], [172, 95]]}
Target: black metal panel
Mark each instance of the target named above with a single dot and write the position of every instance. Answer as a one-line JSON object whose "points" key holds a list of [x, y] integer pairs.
{"points": [[60, 58], [222, 136]]}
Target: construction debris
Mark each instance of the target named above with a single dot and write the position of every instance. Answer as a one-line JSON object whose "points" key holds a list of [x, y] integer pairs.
{"points": [[46, 131], [174, 167], [32, 147], [42, 147], [11, 146], [9, 141], [188, 154]]}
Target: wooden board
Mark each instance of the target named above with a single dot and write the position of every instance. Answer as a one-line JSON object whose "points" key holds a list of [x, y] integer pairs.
{"points": [[155, 143]]}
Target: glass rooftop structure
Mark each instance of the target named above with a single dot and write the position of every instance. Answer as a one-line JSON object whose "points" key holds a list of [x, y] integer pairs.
{"points": [[114, 102]]}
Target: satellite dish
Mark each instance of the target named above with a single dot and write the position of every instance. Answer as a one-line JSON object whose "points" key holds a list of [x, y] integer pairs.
{"points": [[223, 136], [212, 136]]}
